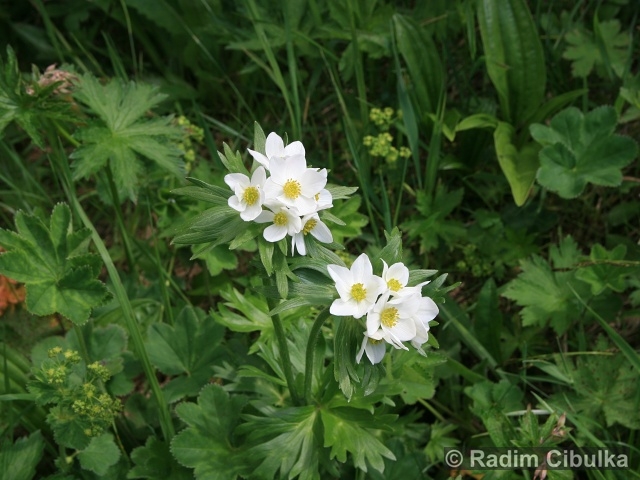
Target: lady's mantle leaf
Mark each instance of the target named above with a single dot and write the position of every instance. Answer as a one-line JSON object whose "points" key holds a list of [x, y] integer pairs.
{"points": [[154, 462], [59, 277], [580, 149], [101, 453], [122, 134], [187, 350], [207, 443]]}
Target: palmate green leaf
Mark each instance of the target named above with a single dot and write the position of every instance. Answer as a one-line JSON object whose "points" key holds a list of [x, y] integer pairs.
{"points": [[155, 462], [101, 454], [350, 430], [19, 460], [547, 295], [207, 445], [290, 433], [187, 350], [58, 278], [580, 149], [121, 133], [604, 385], [607, 48]]}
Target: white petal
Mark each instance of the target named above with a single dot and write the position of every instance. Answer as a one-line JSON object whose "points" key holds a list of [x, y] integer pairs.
{"points": [[294, 148], [399, 272], [271, 189], [234, 202], [375, 352], [251, 212], [385, 269], [264, 217], [361, 268], [373, 323], [259, 177], [312, 182], [322, 233], [341, 308], [365, 340], [260, 158], [428, 309], [274, 145], [404, 330], [236, 179], [296, 165], [274, 233], [298, 240], [304, 205], [362, 309]]}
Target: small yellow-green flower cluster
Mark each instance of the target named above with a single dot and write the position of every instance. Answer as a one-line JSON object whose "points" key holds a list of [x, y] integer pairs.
{"points": [[76, 390], [382, 144], [95, 410], [56, 371], [193, 135]]}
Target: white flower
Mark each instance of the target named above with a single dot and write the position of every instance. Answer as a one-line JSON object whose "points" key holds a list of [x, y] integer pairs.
{"points": [[324, 200], [394, 315], [427, 311], [311, 224], [249, 194], [274, 148], [396, 276], [374, 348], [285, 221], [358, 288], [293, 184]]}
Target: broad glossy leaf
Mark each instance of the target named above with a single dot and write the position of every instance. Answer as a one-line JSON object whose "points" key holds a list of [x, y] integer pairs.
{"points": [[514, 57], [423, 62], [519, 166]]}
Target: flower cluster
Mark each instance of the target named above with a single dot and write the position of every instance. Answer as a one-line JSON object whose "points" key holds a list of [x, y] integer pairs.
{"points": [[292, 194], [395, 312]]}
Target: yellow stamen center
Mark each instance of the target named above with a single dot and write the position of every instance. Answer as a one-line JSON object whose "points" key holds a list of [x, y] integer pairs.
{"points": [[394, 285], [389, 317], [317, 197], [310, 225], [251, 195], [358, 292], [373, 341], [292, 189], [280, 219]]}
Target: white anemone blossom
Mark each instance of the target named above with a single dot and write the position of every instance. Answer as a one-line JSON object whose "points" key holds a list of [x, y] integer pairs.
{"points": [[293, 184], [274, 148], [311, 224], [427, 311], [374, 347], [396, 277], [358, 288], [283, 221], [394, 316], [249, 193]]}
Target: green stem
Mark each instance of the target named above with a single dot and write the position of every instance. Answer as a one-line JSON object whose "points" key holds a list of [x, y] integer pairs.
{"points": [[285, 358], [311, 349], [135, 336], [120, 220]]}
